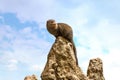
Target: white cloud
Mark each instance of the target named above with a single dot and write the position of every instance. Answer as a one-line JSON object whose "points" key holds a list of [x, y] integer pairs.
{"points": [[24, 46], [26, 30], [29, 10], [107, 32], [104, 35], [12, 65], [40, 11], [112, 65], [7, 61], [35, 67], [38, 68], [5, 30]]}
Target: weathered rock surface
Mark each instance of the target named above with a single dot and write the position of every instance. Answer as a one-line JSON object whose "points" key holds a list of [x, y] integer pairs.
{"points": [[33, 77], [61, 63], [95, 69]]}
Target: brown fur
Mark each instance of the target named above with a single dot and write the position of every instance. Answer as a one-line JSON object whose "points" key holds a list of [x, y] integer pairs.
{"points": [[61, 29]]}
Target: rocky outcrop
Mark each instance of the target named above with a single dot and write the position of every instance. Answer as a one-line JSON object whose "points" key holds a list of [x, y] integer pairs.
{"points": [[61, 63], [95, 69], [33, 77]]}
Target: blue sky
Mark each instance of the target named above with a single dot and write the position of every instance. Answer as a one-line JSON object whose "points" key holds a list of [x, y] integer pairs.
{"points": [[25, 42]]}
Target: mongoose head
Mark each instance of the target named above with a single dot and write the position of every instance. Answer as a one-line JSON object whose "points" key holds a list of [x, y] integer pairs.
{"points": [[52, 26]]}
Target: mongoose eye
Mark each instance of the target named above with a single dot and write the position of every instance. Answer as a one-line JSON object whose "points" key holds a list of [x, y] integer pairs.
{"points": [[51, 22]]}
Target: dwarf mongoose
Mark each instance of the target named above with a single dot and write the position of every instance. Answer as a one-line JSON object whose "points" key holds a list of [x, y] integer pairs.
{"points": [[61, 29]]}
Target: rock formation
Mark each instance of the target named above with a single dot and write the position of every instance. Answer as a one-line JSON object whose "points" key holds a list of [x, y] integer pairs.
{"points": [[33, 77], [61, 63], [95, 69]]}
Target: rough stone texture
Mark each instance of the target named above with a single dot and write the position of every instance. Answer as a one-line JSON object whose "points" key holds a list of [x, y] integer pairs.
{"points": [[33, 77], [95, 69], [61, 63]]}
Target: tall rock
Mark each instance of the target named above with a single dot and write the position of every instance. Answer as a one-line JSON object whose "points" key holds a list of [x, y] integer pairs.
{"points": [[61, 63], [95, 69]]}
